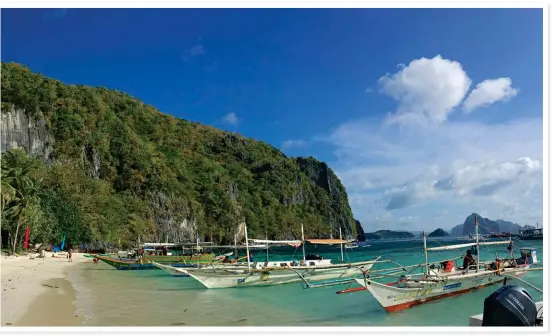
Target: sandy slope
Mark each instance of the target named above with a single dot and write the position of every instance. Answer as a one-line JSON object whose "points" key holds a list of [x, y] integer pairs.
{"points": [[36, 292]]}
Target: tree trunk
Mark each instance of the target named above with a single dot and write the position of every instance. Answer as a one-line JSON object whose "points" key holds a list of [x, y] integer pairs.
{"points": [[17, 232]]}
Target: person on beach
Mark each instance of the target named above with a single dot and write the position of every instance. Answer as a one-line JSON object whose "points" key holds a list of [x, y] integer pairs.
{"points": [[69, 255]]}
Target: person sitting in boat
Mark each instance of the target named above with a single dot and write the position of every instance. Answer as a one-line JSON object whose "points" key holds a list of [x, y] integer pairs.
{"points": [[468, 260], [313, 257]]}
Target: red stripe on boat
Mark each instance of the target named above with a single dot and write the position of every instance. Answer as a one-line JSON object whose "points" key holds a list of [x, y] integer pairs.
{"points": [[403, 306], [351, 290]]}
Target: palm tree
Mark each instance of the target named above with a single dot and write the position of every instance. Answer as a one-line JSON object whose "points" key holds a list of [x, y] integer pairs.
{"points": [[19, 188]]}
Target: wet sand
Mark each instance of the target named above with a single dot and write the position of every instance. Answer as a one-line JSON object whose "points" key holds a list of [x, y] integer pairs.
{"points": [[37, 292]]}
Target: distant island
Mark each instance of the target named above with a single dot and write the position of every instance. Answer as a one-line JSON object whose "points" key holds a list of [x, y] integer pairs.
{"points": [[486, 226], [388, 234], [438, 233]]}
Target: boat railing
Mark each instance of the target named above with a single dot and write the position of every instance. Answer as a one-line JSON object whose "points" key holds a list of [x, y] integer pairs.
{"points": [[371, 274]]}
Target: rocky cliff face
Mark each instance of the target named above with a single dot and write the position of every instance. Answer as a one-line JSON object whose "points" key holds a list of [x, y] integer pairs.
{"points": [[360, 232], [320, 174], [18, 131]]}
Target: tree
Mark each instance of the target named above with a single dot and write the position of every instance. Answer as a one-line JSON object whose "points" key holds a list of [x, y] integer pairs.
{"points": [[17, 169]]}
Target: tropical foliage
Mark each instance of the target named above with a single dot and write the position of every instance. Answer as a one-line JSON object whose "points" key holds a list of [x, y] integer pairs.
{"points": [[118, 170]]}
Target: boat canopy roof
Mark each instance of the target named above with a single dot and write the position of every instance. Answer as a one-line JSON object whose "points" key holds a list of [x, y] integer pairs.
{"points": [[158, 244], [279, 242], [458, 246], [328, 241]]}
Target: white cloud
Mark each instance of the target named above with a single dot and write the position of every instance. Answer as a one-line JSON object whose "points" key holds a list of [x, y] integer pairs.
{"points": [[231, 118], [410, 176], [294, 144], [196, 50], [461, 167], [427, 90], [489, 92]]}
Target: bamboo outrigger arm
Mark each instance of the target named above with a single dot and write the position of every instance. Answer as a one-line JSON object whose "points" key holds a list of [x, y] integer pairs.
{"points": [[526, 282]]}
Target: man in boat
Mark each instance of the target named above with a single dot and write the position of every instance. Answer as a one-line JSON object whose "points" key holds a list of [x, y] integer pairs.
{"points": [[468, 260]]}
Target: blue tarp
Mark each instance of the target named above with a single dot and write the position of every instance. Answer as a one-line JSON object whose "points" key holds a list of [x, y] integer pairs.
{"points": [[63, 243], [55, 249]]}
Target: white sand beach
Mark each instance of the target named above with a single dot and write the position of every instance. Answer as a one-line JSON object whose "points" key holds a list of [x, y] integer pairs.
{"points": [[37, 292]]}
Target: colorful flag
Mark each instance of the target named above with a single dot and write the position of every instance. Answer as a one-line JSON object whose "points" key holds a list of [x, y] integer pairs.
{"points": [[27, 233]]}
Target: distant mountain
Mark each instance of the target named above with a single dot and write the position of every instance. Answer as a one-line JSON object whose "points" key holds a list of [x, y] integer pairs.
{"points": [[457, 231], [388, 234], [438, 233], [485, 226], [507, 226]]}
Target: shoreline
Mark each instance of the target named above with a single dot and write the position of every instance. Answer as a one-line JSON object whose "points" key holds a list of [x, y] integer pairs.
{"points": [[38, 292]]}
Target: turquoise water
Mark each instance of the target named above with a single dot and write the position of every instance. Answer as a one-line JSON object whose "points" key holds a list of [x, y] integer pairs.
{"points": [[151, 298]]}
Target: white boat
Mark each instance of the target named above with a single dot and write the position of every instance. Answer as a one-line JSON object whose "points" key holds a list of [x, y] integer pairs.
{"points": [[447, 279], [310, 268], [227, 276], [351, 245]]}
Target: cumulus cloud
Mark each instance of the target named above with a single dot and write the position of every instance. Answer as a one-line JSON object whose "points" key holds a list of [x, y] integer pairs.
{"points": [[294, 144], [426, 90], [231, 119], [456, 167], [489, 92]]}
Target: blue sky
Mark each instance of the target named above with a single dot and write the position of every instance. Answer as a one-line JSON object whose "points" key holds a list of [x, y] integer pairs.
{"points": [[426, 115]]}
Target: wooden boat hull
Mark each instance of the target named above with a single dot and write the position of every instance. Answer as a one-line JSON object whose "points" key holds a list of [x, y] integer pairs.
{"points": [[395, 299], [202, 259], [540, 237], [131, 265], [173, 271], [240, 277], [95, 255]]}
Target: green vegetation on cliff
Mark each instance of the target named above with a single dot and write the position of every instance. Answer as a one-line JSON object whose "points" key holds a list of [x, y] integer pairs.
{"points": [[115, 169]]}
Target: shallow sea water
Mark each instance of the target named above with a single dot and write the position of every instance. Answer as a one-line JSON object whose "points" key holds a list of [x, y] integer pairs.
{"points": [[108, 297]]}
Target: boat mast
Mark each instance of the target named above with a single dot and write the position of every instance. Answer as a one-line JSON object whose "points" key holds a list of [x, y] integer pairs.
{"points": [[477, 247], [247, 246], [235, 248], [302, 243], [198, 247], [267, 238], [341, 246], [511, 245], [425, 253]]}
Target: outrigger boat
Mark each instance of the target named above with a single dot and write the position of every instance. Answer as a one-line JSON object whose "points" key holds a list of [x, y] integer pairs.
{"points": [[276, 272], [137, 264], [351, 245], [447, 279]]}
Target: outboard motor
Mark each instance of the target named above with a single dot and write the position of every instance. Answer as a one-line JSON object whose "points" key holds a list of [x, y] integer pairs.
{"points": [[509, 306]]}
